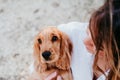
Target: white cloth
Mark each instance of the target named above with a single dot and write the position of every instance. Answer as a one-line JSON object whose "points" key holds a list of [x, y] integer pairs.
{"points": [[81, 59], [102, 77]]}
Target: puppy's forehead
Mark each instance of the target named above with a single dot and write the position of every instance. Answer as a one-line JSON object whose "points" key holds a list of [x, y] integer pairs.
{"points": [[50, 31]]}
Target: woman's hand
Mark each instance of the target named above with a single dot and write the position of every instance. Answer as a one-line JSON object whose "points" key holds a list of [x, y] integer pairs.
{"points": [[53, 75]]}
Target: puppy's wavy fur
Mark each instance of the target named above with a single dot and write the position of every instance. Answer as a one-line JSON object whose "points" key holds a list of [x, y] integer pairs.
{"points": [[59, 45]]}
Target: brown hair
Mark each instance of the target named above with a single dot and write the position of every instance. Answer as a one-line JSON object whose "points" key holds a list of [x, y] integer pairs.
{"points": [[105, 31]]}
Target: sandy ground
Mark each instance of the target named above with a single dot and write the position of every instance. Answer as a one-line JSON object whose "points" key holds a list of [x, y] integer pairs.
{"points": [[20, 21]]}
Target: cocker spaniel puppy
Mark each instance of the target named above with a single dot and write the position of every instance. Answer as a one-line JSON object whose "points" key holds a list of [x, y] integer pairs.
{"points": [[52, 52]]}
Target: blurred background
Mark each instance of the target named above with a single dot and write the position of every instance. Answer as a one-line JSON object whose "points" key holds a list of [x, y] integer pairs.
{"points": [[20, 21]]}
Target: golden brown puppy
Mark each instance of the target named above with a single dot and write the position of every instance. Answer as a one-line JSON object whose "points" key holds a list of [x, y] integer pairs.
{"points": [[52, 52]]}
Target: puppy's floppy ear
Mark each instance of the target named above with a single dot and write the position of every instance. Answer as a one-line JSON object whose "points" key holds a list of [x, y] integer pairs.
{"points": [[65, 52], [36, 50], [36, 53]]}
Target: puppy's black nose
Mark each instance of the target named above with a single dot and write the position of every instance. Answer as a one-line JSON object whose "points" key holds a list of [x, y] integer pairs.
{"points": [[46, 55]]}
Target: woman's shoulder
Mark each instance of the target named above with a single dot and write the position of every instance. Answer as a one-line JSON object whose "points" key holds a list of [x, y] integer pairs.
{"points": [[75, 30], [73, 26]]}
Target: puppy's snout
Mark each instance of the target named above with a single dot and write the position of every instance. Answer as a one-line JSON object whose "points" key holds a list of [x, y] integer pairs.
{"points": [[46, 55]]}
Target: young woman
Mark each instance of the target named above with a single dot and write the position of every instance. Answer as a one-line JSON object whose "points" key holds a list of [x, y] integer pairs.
{"points": [[104, 28], [103, 41]]}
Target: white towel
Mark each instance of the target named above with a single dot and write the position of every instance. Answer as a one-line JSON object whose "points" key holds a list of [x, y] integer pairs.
{"points": [[81, 59]]}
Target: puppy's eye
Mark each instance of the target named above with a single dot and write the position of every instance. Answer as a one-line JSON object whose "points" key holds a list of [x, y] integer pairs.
{"points": [[40, 41], [54, 38]]}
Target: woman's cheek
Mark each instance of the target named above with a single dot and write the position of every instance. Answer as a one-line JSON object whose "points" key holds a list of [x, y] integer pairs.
{"points": [[89, 45]]}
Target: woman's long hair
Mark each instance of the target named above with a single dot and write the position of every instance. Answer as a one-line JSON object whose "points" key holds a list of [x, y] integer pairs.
{"points": [[105, 31]]}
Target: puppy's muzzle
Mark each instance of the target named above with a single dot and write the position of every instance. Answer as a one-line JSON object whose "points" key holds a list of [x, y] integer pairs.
{"points": [[46, 55]]}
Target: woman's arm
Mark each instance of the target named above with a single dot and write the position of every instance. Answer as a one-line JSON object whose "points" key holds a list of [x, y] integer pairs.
{"points": [[53, 75]]}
